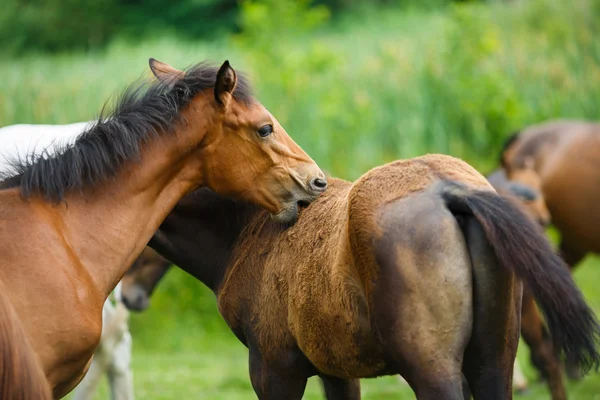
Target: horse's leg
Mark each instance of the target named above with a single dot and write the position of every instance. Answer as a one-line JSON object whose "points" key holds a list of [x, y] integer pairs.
{"points": [[284, 380], [340, 389], [491, 353], [572, 257], [519, 379], [120, 375], [422, 305], [542, 351]]}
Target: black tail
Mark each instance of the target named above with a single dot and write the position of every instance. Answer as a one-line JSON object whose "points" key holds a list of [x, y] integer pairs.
{"points": [[521, 246]]}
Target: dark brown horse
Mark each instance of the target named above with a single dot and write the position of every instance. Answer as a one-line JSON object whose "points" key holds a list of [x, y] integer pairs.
{"points": [[141, 279], [71, 223], [403, 272], [560, 159]]}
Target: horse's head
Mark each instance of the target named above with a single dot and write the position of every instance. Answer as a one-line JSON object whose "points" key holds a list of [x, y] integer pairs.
{"points": [[245, 152], [525, 183], [141, 279]]}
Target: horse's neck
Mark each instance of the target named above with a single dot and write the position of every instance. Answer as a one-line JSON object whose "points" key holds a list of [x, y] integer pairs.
{"points": [[200, 234], [109, 226], [24, 140]]}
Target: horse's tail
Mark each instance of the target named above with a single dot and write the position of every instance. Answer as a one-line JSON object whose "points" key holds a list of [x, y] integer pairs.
{"points": [[520, 246], [21, 376]]}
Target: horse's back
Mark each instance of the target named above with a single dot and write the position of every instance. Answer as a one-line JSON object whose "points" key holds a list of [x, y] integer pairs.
{"points": [[569, 170], [394, 181]]}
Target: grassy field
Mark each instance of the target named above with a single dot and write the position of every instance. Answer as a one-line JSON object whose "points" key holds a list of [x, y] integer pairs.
{"points": [[356, 92]]}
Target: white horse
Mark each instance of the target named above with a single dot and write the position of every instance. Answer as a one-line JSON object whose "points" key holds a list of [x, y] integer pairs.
{"points": [[113, 355]]}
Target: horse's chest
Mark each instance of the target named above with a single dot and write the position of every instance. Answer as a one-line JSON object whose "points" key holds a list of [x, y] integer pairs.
{"points": [[68, 349]]}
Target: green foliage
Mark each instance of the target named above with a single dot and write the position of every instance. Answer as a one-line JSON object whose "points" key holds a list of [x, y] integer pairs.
{"points": [[55, 25], [59, 25]]}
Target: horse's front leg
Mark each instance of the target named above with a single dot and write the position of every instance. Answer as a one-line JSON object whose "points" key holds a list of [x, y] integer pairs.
{"points": [[340, 389], [284, 378]]}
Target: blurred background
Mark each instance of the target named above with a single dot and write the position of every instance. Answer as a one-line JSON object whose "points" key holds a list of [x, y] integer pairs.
{"points": [[356, 83]]}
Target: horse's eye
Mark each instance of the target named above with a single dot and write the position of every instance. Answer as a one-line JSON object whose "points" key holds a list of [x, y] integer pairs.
{"points": [[265, 130]]}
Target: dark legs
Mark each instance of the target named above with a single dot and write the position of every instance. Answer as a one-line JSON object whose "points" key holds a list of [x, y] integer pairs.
{"points": [[543, 356], [340, 389], [275, 382], [572, 258]]}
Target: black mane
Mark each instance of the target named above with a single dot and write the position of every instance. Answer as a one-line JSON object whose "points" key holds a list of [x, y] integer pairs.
{"points": [[143, 111]]}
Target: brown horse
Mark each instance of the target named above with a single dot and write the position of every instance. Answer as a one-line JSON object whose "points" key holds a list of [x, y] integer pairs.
{"points": [[403, 272], [72, 223], [530, 198], [561, 159]]}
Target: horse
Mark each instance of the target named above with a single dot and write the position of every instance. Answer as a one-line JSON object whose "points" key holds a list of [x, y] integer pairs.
{"points": [[141, 279], [531, 199], [113, 355], [145, 274], [560, 160], [414, 269], [71, 223]]}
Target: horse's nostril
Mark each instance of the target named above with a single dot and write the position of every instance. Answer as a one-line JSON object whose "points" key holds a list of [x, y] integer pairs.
{"points": [[318, 184]]}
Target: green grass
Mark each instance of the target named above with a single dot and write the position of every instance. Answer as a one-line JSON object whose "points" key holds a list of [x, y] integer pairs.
{"points": [[355, 93]]}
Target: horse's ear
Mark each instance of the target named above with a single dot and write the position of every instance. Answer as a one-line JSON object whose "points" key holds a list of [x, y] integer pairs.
{"points": [[225, 84], [529, 163], [164, 72]]}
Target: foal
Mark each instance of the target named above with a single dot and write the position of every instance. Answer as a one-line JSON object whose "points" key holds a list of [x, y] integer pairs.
{"points": [[72, 223], [402, 272]]}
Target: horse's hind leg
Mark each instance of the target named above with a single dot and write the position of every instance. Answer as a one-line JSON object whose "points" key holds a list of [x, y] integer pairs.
{"points": [[490, 355], [340, 389], [542, 351], [422, 302], [572, 257]]}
